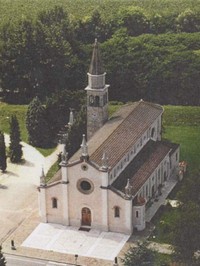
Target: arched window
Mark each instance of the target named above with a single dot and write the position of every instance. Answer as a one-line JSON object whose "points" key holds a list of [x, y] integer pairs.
{"points": [[116, 211], [54, 203]]}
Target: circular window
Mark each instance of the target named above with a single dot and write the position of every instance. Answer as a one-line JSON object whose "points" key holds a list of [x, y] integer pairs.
{"points": [[85, 186]]}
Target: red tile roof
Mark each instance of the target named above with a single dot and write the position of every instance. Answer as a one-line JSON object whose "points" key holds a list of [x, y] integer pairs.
{"points": [[127, 133], [142, 166], [121, 132]]}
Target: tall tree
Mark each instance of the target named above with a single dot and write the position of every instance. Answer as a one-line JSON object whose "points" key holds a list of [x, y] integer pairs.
{"points": [[134, 19], [2, 258], [15, 146], [139, 256], [76, 132], [58, 108], [188, 21], [16, 61], [36, 124], [3, 157]]}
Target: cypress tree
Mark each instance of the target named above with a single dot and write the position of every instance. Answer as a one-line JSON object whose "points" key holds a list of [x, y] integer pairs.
{"points": [[36, 124], [3, 157], [2, 258], [15, 146]]}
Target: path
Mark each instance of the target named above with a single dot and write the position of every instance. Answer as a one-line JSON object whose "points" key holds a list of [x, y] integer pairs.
{"points": [[18, 188]]}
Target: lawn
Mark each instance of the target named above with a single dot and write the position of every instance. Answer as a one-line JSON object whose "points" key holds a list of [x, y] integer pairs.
{"points": [[188, 137], [6, 111], [181, 125]]}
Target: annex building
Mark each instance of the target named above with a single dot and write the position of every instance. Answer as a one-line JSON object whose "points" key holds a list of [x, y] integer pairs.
{"points": [[123, 165]]}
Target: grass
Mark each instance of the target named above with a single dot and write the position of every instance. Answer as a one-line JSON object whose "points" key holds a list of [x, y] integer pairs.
{"points": [[113, 107], [182, 125], [54, 169], [181, 115], [162, 259], [6, 111], [46, 152], [188, 137], [163, 224]]}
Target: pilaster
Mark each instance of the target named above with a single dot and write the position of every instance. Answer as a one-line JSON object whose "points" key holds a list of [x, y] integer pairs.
{"points": [[129, 215], [65, 195], [104, 193], [42, 204]]}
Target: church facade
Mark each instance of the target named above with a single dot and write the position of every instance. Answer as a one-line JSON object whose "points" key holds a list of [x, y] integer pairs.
{"points": [[121, 167]]}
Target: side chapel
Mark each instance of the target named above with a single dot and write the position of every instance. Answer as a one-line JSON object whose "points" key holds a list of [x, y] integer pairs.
{"points": [[123, 165]]}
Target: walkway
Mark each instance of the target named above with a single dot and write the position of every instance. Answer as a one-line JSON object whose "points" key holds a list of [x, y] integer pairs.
{"points": [[169, 185], [69, 240], [18, 188]]}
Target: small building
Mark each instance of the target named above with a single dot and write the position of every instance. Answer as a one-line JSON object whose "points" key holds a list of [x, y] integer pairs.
{"points": [[123, 164]]}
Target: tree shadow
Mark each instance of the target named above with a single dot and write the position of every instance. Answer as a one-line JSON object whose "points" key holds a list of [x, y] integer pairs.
{"points": [[3, 187], [25, 163], [9, 173], [28, 163]]}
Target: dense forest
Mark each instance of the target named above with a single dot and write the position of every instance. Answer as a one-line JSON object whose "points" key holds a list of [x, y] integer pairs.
{"points": [[150, 49]]}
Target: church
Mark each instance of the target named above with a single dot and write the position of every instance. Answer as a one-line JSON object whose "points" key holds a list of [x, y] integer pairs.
{"points": [[121, 166]]}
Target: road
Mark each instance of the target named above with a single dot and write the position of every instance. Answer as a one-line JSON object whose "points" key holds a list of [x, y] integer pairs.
{"points": [[18, 188], [23, 261]]}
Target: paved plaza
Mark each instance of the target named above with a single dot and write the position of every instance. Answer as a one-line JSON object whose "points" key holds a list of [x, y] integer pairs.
{"points": [[70, 240]]}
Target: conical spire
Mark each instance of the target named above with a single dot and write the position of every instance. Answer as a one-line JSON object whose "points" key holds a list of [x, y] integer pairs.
{"points": [[84, 147], [96, 67]]}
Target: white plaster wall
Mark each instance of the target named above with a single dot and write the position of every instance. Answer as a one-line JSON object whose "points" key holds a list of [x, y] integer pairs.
{"points": [[54, 215], [42, 204], [95, 201], [139, 222], [175, 162], [122, 224]]}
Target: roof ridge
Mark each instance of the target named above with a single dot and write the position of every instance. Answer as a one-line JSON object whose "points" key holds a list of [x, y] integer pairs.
{"points": [[156, 105], [116, 127]]}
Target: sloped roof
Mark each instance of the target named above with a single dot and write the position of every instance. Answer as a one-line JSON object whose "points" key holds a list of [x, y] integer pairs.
{"points": [[142, 166], [121, 132], [57, 177]]}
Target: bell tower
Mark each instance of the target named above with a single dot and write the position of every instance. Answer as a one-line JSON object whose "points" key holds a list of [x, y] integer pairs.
{"points": [[97, 94]]}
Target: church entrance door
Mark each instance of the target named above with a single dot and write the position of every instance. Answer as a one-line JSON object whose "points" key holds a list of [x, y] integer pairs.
{"points": [[86, 217]]}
